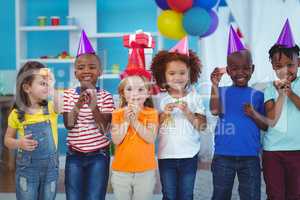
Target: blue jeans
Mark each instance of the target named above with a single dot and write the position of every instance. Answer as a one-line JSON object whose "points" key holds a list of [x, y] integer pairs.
{"points": [[177, 177], [37, 170], [247, 168], [86, 176]]}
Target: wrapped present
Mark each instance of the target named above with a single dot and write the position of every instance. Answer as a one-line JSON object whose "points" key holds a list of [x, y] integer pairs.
{"points": [[140, 38]]}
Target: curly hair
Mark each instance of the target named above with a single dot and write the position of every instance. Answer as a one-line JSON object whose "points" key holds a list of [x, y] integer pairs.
{"points": [[162, 58], [288, 52]]}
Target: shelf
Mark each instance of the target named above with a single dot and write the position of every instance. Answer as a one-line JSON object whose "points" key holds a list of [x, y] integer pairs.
{"points": [[115, 34], [49, 28], [50, 60], [109, 76]]}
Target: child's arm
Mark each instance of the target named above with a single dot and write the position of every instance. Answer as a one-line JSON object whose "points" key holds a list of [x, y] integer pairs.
{"points": [[293, 96], [118, 132], [102, 119], [70, 118], [147, 133], [198, 121], [214, 103], [25, 143], [256, 117], [58, 101]]}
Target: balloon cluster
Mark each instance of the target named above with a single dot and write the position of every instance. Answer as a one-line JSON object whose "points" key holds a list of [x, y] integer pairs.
{"points": [[182, 17]]}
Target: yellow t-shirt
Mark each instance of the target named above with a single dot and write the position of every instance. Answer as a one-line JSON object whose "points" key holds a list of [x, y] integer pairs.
{"points": [[14, 122], [134, 154]]}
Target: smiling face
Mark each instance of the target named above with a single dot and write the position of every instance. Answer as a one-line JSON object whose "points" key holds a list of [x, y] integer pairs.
{"points": [[135, 90], [240, 68], [177, 75], [87, 70], [38, 89], [284, 67]]}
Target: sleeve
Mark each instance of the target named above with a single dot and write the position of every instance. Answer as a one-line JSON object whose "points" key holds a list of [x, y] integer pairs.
{"points": [[13, 121], [197, 104], [151, 117], [51, 108], [108, 103], [261, 107], [117, 116], [67, 101], [157, 102], [269, 93]]}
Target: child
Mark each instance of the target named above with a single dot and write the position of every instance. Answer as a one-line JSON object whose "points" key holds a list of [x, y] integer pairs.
{"points": [[134, 129], [281, 155], [35, 120], [237, 134], [182, 117], [87, 115]]}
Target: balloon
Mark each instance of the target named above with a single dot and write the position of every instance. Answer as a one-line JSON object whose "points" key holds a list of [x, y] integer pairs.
{"points": [[162, 4], [180, 5], [206, 4], [213, 25], [170, 24], [196, 21]]}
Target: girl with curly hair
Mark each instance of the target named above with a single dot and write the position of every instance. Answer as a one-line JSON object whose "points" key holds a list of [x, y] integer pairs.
{"points": [[181, 117]]}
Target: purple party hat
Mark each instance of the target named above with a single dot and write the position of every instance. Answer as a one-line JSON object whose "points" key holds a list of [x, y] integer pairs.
{"points": [[85, 46], [286, 37], [234, 42]]}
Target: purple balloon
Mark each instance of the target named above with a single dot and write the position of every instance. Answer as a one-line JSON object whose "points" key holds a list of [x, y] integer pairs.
{"points": [[213, 25], [162, 4]]}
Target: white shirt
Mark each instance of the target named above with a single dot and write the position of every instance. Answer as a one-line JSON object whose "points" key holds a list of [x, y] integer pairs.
{"points": [[177, 137]]}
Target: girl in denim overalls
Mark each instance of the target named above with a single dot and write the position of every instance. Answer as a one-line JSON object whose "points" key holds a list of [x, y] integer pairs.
{"points": [[35, 120]]}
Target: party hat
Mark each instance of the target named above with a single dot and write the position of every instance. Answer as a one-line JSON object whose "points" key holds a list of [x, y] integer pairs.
{"points": [[136, 65], [234, 42], [286, 37], [181, 47], [85, 46]]}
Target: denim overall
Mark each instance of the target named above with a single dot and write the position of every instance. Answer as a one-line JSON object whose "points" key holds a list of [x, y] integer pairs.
{"points": [[37, 170]]}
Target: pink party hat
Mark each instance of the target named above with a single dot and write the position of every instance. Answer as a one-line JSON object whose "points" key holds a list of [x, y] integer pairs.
{"points": [[181, 47], [85, 46], [286, 37], [234, 42], [136, 65]]}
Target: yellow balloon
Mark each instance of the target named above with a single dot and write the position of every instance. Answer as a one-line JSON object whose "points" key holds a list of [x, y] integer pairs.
{"points": [[169, 24]]}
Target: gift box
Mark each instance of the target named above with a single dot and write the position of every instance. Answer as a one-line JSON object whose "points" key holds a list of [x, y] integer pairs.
{"points": [[142, 39]]}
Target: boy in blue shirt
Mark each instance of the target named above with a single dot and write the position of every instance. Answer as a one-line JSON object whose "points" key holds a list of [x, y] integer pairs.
{"points": [[237, 134]]}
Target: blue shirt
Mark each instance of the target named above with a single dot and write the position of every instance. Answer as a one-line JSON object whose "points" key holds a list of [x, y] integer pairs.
{"points": [[285, 135], [236, 134]]}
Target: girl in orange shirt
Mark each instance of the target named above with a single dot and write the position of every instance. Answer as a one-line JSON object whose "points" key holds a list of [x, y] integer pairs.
{"points": [[134, 129]]}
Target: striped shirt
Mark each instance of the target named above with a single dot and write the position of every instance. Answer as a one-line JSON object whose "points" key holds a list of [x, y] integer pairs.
{"points": [[85, 136]]}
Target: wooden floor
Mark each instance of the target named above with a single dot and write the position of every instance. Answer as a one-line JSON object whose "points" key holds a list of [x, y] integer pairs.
{"points": [[7, 179]]}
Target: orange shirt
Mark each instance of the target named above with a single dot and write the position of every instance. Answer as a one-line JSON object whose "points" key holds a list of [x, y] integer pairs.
{"points": [[134, 154]]}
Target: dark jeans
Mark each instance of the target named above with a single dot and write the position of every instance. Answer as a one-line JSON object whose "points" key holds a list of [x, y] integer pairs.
{"points": [[177, 177], [282, 174], [86, 176], [247, 168]]}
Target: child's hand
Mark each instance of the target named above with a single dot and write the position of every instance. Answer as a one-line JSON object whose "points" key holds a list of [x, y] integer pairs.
{"points": [[92, 98], [83, 98], [248, 109], [283, 87], [169, 108], [130, 114], [182, 105], [216, 75], [27, 143]]}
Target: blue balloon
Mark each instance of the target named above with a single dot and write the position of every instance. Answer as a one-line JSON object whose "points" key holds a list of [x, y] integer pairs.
{"points": [[206, 4], [196, 21], [162, 4], [213, 24]]}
